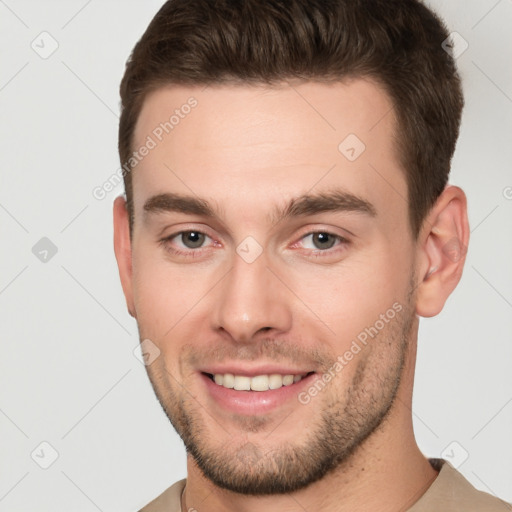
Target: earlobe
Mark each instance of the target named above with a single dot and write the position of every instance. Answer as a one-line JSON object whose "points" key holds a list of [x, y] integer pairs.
{"points": [[443, 246], [123, 251]]}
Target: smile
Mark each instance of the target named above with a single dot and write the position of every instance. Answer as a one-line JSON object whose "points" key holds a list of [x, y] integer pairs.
{"points": [[257, 382]]}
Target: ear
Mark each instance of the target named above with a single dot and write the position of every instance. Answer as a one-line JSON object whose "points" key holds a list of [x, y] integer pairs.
{"points": [[442, 247], [123, 250]]}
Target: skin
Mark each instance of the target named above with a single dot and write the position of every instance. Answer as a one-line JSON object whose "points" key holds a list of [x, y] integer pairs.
{"points": [[246, 150]]}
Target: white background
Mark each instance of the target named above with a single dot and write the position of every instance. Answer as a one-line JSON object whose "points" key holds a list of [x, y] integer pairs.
{"points": [[68, 373]]}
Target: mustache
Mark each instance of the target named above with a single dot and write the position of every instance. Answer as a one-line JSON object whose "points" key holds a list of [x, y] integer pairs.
{"points": [[268, 348]]}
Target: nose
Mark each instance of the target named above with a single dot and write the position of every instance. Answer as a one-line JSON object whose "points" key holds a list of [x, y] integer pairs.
{"points": [[251, 300]]}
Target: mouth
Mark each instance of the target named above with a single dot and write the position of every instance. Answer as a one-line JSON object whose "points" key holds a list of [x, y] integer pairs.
{"points": [[259, 383], [254, 395]]}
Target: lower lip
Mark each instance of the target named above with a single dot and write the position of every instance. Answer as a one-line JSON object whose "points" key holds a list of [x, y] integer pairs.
{"points": [[255, 402]]}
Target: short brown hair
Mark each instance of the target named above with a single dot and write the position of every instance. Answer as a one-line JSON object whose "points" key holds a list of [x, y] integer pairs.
{"points": [[398, 43]]}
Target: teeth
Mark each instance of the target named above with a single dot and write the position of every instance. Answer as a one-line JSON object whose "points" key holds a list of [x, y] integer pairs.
{"points": [[287, 380], [242, 383], [228, 380], [275, 381], [257, 383]]}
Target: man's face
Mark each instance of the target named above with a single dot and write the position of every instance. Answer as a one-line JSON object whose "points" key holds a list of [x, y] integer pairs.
{"points": [[244, 291]]}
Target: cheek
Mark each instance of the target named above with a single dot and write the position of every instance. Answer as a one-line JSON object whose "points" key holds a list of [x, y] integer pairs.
{"points": [[352, 296], [163, 294]]}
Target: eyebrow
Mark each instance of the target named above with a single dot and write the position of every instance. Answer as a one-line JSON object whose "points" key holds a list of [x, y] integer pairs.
{"points": [[336, 200]]}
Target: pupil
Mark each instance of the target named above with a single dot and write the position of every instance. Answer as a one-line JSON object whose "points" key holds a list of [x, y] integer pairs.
{"points": [[323, 238], [193, 239]]}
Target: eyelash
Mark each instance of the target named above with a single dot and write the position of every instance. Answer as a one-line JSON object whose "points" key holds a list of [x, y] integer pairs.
{"points": [[318, 253]]}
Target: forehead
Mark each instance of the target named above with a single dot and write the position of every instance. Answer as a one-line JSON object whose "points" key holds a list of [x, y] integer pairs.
{"points": [[251, 146]]}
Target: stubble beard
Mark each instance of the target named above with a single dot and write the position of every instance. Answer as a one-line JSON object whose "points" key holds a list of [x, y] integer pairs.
{"points": [[347, 419]]}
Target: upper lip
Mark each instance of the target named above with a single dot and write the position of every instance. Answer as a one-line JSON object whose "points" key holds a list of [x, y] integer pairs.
{"points": [[248, 371]]}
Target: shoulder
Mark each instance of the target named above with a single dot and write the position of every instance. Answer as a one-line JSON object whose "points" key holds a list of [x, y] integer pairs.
{"points": [[451, 492], [168, 501]]}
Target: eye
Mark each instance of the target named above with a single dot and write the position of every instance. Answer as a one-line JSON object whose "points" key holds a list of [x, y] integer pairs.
{"points": [[321, 240], [185, 242], [323, 243], [191, 243], [192, 239]]}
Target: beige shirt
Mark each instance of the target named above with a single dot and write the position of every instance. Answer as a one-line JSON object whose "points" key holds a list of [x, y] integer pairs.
{"points": [[450, 492]]}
